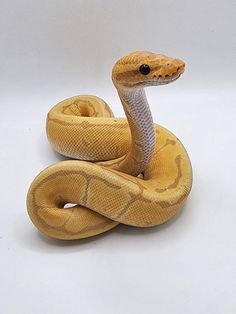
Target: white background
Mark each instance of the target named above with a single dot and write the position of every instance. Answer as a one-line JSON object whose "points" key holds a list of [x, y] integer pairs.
{"points": [[51, 50]]}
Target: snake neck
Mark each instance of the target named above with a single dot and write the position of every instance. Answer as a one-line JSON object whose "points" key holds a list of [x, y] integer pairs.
{"points": [[139, 117]]}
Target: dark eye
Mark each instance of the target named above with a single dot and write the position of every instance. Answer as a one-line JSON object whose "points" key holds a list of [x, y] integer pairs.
{"points": [[144, 69]]}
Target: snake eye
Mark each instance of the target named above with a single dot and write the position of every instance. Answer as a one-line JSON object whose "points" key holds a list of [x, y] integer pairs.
{"points": [[144, 69]]}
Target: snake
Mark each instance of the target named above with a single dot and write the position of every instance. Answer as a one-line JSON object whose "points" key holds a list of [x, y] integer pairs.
{"points": [[120, 170]]}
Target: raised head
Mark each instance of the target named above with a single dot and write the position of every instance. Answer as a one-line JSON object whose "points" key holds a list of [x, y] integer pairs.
{"points": [[143, 68]]}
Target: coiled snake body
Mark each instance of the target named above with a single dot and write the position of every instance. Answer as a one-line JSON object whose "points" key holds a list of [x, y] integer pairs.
{"points": [[140, 175]]}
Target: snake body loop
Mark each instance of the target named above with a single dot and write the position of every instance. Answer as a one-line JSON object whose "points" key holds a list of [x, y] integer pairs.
{"points": [[141, 174]]}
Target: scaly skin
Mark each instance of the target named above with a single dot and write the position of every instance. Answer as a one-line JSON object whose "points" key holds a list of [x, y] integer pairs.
{"points": [[141, 175]]}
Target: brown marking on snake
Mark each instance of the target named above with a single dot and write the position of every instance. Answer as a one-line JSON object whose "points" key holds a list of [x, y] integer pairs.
{"points": [[168, 142], [86, 124], [133, 199], [80, 105], [94, 227], [123, 176], [81, 102], [88, 228], [177, 179], [114, 163], [165, 204]]}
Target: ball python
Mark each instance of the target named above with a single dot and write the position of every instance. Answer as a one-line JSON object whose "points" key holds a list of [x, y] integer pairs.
{"points": [[123, 170]]}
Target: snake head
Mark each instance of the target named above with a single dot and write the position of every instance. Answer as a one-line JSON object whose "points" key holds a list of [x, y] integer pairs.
{"points": [[143, 68]]}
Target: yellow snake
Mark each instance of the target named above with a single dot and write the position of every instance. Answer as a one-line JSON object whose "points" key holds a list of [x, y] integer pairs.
{"points": [[129, 171]]}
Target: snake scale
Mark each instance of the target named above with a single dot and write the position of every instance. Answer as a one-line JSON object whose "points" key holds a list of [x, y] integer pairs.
{"points": [[127, 171]]}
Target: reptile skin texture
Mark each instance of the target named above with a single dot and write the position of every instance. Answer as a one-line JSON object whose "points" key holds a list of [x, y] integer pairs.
{"points": [[124, 170]]}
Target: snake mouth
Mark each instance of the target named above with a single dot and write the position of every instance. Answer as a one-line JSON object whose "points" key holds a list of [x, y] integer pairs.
{"points": [[160, 80]]}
